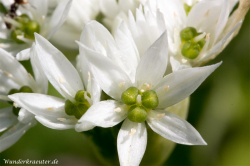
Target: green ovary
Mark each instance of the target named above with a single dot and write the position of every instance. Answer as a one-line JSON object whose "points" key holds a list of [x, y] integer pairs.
{"points": [[78, 108], [23, 89], [138, 108], [191, 48]]}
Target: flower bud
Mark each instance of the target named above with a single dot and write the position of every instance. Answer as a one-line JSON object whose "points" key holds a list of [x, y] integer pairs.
{"points": [[190, 50], [188, 34], [80, 96], [137, 114], [30, 28], [129, 96], [149, 99], [25, 89], [69, 107], [80, 110], [14, 34]]}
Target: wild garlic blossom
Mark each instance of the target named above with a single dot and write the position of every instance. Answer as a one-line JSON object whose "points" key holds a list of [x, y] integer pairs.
{"points": [[140, 95], [109, 12], [14, 78], [54, 112], [198, 30], [17, 27]]}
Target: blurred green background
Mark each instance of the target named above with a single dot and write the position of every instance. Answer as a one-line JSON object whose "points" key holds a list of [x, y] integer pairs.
{"points": [[219, 110]]}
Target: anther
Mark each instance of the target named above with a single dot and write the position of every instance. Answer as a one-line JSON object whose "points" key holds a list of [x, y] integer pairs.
{"points": [[160, 115], [60, 80], [118, 109], [166, 88], [49, 109], [183, 60], [8, 74], [175, 15], [207, 13], [207, 36], [122, 83], [61, 119], [15, 105], [133, 131]]}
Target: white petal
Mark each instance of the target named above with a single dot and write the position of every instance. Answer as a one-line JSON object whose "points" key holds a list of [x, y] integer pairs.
{"points": [[59, 16], [7, 118], [25, 116], [38, 9], [174, 128], [131, 143], [41, 105], [104, 114], [40, 77], [176, 65], [182, 83], [58, 125], [109, 76], [14, 134], [58, 69], [153, 63], [23, 55]]}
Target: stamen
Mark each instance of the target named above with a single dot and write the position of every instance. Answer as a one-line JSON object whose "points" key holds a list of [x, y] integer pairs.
{"points": [[15, 105], [118, 109], [133, 131], [61, 119], [43, 17], [199, 37], [207, 13], [60, 80], [216, 21], [176, 31], [49, 109], [166, 88], [160, 115], [8, 74], [87, 98], [88, 76], [122, 83], [207, 36], [175, 15], [183, 60], [142, 90], [146, 86], [13, 22]]}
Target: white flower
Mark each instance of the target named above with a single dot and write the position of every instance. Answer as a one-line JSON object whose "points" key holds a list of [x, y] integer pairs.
{"points": [[15, 79], [211, 20], [109, 12], [17, 37], [148, 79], [52, 111]]}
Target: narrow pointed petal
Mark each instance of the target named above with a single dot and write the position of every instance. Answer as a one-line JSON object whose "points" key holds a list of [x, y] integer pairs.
{"points": [[58, 125], [14, 134], [59, 16], [174, 128], [176, 65], [104, 114], [177, 86], [7, 118], [153, 63], [109, 76], [131, 143], [25, 116], [23, 55], [58, 69]]}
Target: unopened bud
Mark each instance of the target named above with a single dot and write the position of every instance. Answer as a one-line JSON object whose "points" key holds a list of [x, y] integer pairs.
{"points": [[130, 95], [137, 114]]}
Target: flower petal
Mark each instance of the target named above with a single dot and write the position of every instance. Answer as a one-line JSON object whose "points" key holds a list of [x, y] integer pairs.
{"points": [[104, 114], [153, 63], [109, 76], [174, 128], [59, 16], [58, 125], [14, 134], [7, 118], [131, 143], [58, 69], [177, 86], [23, 55], [25, 116]]}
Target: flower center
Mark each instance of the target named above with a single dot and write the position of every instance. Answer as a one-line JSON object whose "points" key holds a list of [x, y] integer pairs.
{"points": [[23, 89], [81, 105], [192, 42], [139, 103]]}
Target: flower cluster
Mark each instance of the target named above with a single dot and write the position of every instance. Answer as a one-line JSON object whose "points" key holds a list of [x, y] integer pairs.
{"points": [[146, 56]]}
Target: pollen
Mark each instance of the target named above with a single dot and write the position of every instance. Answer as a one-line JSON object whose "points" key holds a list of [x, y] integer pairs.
{"points": [[118, 109], [160, 115], [207, 13], [49, 109], [8, 74], [133, 131], [122, 83], [60, 80], [166, 88], [61, 119], [15, 105]]}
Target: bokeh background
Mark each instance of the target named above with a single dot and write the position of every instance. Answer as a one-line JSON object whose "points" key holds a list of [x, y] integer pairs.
{"points": [[219, 110]]}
